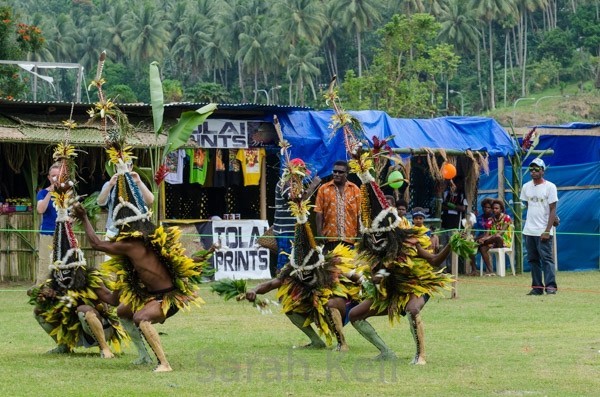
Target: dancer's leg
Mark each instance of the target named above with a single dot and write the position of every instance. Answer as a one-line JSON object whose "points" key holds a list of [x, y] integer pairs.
{"points": [[94, 327], [152, 313], [413, 314], [298, 320], [358, 316], [60, 348], [125, 317], [154, 341], [337, 309]]}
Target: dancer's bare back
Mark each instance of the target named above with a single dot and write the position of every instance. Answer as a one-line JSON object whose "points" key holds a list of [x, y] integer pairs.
{"points": [[152, 273]]}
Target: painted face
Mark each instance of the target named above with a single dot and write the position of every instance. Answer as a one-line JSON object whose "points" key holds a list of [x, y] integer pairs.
{"points": [[418, 220], [377, 242]]}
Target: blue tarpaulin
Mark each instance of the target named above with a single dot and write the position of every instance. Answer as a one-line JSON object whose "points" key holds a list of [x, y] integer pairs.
{"points": [[575, 170], [574, 167], [312, 139]]}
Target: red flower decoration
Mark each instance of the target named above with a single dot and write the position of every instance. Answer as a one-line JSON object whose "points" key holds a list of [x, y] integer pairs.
{"points": [[528, 139], [161, 174]]}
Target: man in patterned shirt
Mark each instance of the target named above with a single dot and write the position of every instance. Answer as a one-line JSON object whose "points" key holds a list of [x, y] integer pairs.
{"points": [[337, 208]]}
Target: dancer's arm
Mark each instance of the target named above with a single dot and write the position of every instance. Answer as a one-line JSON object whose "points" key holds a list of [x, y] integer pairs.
{"points": [[263, 288], [434, 259], [108, 296], [112, 248]]}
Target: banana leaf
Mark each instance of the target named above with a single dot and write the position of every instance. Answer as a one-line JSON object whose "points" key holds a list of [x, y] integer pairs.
{"points": [[188, 121], [156, 98], [464, 247], [228, 289]]}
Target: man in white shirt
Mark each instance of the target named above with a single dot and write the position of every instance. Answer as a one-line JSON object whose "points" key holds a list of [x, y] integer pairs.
{"points": [[540, 197]]}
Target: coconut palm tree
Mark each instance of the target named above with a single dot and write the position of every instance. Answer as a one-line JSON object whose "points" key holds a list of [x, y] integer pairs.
{"points": [[300, 20], [331, 35], [114, 22], [60, 38], [146, 30], [89, 46], [459, 27], [236, 15], [488, 11], [189, 46], [357, 16], [525, 7], [303, 69], [254, 51]]}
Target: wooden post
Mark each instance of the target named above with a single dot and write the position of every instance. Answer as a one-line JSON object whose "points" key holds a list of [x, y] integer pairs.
{"points": [[517, 211], [501, 190], [4, 245], [454, 260], [162, 201], [263, 189]]}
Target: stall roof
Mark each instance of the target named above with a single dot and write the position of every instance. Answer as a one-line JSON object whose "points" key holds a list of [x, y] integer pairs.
{"points": [[312, 140], [42, 122], [571, 129]]}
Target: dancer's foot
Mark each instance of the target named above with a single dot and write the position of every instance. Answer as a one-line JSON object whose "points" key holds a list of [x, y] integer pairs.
{"points": [[163, 368], [342, 347], [418, 361], [386, 356], [312, 345], [141, 360], [60, 349]]}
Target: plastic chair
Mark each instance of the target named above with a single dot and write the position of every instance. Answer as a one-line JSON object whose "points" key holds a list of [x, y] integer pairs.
{"points": [[500, 254]]}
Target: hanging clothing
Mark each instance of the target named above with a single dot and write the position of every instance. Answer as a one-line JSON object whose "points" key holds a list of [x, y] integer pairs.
{"points": [[234, 169], [175, 164], [198, 164], [220, 178], [251, 160]]}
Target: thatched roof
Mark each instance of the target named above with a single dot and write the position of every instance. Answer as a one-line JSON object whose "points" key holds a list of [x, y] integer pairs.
{"points": [[80, 136], [42, 122]]}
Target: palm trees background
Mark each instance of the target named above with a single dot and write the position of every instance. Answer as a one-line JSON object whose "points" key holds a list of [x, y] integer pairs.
{"points": [[234, 48]]}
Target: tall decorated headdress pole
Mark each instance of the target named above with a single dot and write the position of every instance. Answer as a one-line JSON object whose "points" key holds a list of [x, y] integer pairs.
{"points": [[67, 256], [129, 206], [367, 162], [72, 283], [312, 278], [306, 255]]}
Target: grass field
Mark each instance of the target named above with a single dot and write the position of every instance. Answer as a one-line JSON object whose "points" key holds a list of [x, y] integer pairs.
{"points": [[492, 340]]}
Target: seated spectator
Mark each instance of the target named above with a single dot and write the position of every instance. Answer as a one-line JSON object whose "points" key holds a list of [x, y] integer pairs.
{"points": [[498, 235], [482, 219], [390, 200], [402, 207], [428, 241]]}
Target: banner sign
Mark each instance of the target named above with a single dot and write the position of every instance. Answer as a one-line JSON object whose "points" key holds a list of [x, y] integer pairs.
{"points": [[234, 134], [240, 257]]}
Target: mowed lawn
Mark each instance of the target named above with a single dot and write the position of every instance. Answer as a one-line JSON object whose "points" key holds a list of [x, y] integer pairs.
{"points": [[491, 341]]}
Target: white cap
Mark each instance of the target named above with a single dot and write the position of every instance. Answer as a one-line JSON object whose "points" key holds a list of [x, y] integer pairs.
{"points": [[539, 162]]}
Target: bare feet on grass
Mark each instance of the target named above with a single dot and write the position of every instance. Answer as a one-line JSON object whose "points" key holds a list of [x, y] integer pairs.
{"points": [[163, 368], [106, 353]]}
